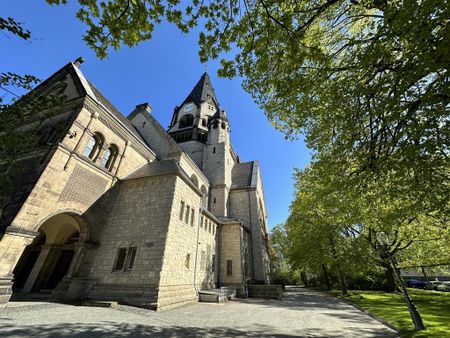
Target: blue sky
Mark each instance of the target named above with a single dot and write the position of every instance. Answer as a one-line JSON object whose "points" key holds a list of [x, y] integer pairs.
{"points": [[162, 72]]}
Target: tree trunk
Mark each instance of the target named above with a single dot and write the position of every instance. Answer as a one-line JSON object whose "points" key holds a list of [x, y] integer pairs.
{"points": [[425, 275], [341, 277], [304, 278], [342, 281], [325, 276], [389, 277]]}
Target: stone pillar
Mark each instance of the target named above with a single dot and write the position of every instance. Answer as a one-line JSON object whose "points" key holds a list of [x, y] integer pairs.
{"points": [[76, 260], [76, 282], [62, 290], [12, 246], [44, 263]]}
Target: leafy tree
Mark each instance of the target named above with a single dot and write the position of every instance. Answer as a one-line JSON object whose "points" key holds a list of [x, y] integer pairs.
{"points": [[283, 271], [333, 223], [324, 229], [360, 78]]}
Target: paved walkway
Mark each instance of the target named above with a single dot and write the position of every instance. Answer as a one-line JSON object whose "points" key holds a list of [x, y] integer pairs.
{"points": [[303, 313]]}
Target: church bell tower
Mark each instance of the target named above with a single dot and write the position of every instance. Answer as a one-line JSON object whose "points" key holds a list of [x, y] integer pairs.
{"points": [[191, 120], [202, 130]]}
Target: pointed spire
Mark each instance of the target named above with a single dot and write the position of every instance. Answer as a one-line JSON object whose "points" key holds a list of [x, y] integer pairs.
{"points": [[202, 91]]}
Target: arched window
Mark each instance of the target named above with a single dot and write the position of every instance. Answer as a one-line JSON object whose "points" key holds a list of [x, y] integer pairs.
{"points": [[93, 146], [186, 121], [194, 180], [109, 157], [204, 196]]}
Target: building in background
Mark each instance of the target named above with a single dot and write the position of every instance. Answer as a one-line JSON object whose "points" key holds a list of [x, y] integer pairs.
{"points": [[108, 207]]}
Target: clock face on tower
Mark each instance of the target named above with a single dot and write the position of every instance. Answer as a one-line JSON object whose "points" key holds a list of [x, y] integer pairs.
{"points": [[188, 107]]}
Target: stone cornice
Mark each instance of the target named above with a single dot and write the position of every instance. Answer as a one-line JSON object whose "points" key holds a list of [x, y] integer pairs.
{"points": [[21, 232]]}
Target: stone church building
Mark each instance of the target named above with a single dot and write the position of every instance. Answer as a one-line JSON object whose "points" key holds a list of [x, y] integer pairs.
{"points": [[108, 207]]}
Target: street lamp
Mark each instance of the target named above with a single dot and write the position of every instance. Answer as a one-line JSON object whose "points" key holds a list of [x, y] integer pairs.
{"points": [[383, 239]]}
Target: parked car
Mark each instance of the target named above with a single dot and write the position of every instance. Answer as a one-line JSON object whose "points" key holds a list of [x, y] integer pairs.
{"points": [[443, 286], [433, 284], [416, 283]]}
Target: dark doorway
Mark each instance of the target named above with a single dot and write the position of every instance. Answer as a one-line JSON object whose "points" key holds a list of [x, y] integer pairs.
{"points": [[27, 261], [59, 270], [53, 265]]}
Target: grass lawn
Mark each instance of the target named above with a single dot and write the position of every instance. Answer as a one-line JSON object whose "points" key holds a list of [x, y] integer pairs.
{"points": [[434, 307]]}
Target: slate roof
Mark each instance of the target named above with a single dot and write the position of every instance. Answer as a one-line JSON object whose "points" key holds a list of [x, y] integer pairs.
{"points": [[227, 220], [155, 168], [241, 175], [111, 108], [202, 91]]}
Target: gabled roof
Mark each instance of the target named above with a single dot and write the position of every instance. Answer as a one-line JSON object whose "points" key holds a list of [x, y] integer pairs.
{"points": [[154, 169], [97, 96], [202, 91], [164, 167]]}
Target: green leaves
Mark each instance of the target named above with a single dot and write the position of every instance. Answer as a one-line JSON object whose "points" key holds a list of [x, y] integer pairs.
{"points": [[14, 28], [366, 82]]}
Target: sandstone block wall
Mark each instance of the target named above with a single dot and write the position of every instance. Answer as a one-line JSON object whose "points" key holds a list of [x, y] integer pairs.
{"points": [[70, 182], [245, 206], [139, 218], [181, 274], [231, 250], [266, 291]]}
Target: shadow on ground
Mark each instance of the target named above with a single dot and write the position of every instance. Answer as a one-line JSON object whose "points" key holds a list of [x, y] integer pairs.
{"points": [[116, 330]]}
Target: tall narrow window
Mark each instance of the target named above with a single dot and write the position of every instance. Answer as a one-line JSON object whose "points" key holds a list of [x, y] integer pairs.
{"points": [[187, 261], [93, 146], [89, 147], [204, 196], [229, 267], [181, 210], [109, 157], [192, 217], [105, 157], [213, 264], [201, 222], [131, 255], [186, 219], [120, 259]]}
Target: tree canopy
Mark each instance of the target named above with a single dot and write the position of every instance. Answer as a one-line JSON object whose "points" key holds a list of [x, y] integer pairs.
{"points": [[364, 80]]}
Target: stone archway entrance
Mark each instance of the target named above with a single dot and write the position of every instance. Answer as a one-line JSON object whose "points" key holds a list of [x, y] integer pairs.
{"points": [[51, 256]]}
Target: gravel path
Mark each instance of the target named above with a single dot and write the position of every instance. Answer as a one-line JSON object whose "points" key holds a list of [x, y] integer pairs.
{"points": [[303, 313]]}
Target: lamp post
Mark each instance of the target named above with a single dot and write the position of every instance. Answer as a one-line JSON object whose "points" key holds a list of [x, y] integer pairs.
{"points": [[383, 239]]}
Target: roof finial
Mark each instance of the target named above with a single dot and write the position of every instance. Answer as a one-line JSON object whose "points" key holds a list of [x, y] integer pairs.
{"points": [[78, 61], [206, 67]]}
